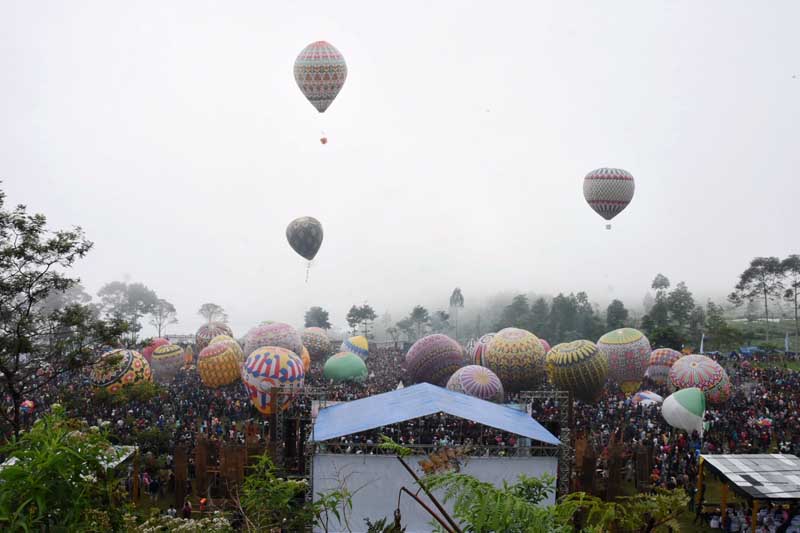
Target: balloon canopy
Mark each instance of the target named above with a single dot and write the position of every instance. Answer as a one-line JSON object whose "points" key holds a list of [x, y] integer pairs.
{"points": [[628, 352], [545, 345], [306, 358], [220, 338], [317, 342], [701, 372], [148, 350], [685, 409], [479, 350], [477, 381], [208, 331], [661, 361], [579, 367], [219, 364], [268, 368], [167, 361], [518, 359], [608, 191], [358, 345], [433, 359], [345, 366], [646, 397], [320, 71], [275, 334], [305, 236], [120, 368]]}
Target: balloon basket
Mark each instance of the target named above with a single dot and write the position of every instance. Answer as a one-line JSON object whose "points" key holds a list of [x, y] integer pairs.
{"points": [[608, 226]]}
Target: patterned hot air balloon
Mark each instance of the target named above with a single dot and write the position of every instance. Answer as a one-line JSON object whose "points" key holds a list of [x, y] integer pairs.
{"points": [[317, 342], [358, 345], [305, 236], [148, 350], [628, 352], [479, 349], [579, 367], [646, 397], [518, 359], [306, 358], [209, 331], [275, 334], [320, 71], [701, 372], [433, 359], [477, 381], [345, 366], [545, 345], [220, 338], [219, 364], [167, 361], [119, 368], [608, 191], [661, 361], [271, 367], [685, 409]]}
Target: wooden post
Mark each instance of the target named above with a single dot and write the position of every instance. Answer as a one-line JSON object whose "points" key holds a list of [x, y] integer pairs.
{"points": [[756, 505], [700, 482], [136, 477], [724, 505], [181, 460]]}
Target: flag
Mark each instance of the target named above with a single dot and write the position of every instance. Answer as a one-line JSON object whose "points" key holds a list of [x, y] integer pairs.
{"points": [[702, 340]]}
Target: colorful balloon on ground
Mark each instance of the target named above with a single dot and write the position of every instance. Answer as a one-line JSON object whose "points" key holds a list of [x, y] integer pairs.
{"points": [[221, 338], [480, 348], [345, 366], [188, 356], [477, 381], [167, 361], [305, 236], [358, 345], [275, 334], [148, 350], [545, 345], [661, 361], [701, 372], [433, 359], [271, 367], [646, 398], [320, 71], [608, 191], [27, 407], [208, 331], [219, 364], [628, 352], [306, 358], [317, 342], [685, 409], [578, 367], [120, 368], [518, 359]]}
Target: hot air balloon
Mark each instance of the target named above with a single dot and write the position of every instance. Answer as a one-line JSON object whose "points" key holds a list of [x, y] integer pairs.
{"points": [[661, 362], [701, 372], [545, 345], [167, 361], [345, 366], [479, 349], [477, 381], [305, 236], [518, 359], [271, 367], [628, 352], [608, 191], [358, 345], [578, 366], [120, 368], [306, 358], [433, 359], [685, 410], [275, 334], [646, 397], [320, 71], [148, 350], [317, 342], [209, 331], [220, 338], [219, 364]]}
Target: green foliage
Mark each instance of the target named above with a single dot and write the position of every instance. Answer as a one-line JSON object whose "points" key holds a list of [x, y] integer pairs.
{"points": [[212, 313], [391, 446], [763, 279], [361, 316], [163, 315], [127, 302], [158, 523], [456, 298], [317, 317], [616, 315], [383, 526], [269, 501], [59, 478], [420, 318], [680, 304]]}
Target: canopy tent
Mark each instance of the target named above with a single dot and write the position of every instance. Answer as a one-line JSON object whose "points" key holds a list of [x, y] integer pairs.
{"points": [[418, 401]]}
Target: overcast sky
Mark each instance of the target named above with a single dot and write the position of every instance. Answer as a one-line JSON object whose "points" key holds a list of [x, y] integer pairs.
{"points": [[175, 135]]}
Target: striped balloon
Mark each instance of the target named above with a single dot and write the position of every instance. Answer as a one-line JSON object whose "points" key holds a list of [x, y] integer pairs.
{"points": [[608, 191], [208, 331], [271, 367], [661, 361], [320, 71], [579, 367], [479, 350], [477, 381]]}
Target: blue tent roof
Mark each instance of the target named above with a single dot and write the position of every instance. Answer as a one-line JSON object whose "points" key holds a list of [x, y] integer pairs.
{"points": [[422, 400]]}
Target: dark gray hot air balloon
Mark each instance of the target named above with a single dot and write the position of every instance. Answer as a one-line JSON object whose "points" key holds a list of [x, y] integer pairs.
{"points": [[305, 237]]}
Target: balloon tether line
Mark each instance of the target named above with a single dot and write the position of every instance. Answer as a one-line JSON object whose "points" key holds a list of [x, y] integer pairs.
{"points": [[308, 268]]}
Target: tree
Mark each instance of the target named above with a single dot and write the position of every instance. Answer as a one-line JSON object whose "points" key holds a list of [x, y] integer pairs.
{"points": [[74, 295], [720, 333], [516, 314], [660, 284], [456, 303], [696, 324], [420, 318], [35, 333], [791, 271], [127, 302], [562, 321], [648, 302], [616, 315], [362, 316], [163, 315], [680, 304], [538, 317], [212, 313], [762, 279], [393, 332], [587, 324], [406, 327], [317, 317], [440, 322]]}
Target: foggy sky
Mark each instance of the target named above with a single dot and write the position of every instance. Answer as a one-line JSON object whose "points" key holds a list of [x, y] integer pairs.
{"points": [[175, 135]]}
